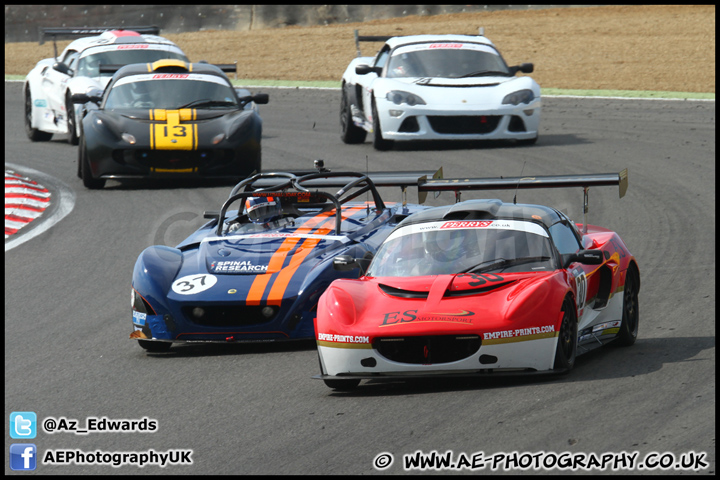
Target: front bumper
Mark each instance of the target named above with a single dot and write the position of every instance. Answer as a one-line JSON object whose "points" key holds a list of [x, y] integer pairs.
{"points": [[452, 122], [126, 163], [352, 361]]}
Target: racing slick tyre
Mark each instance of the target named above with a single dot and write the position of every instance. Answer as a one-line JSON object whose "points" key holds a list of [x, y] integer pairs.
{"points": [[631, 315], [33, 133], [342, 384], [85, 173], [566, 350], [155, 347], [350, 133], [378, 141], [72, 131]]}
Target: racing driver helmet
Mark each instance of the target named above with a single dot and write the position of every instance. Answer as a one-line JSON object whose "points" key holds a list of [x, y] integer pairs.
{"points": [[262, 209]]}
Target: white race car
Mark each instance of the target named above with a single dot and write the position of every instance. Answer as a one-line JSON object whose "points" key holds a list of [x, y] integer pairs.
{"points": [[49, 86], [437, 87]]}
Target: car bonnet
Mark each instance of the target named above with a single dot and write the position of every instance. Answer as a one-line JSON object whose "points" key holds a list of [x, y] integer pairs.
{"points": [[434, 304], [261, 253]]}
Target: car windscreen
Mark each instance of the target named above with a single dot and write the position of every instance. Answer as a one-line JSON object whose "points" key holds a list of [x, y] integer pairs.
{"points": [[451, 247], [88, 66], [446, 60], [171, 91]]}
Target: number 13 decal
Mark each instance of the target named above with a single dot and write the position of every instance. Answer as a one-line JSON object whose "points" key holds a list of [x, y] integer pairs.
{"points": [[180, 131], [192, 284]]}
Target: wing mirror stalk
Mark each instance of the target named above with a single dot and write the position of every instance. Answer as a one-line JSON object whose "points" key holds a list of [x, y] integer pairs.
{"points": [[346, 263], [586, 257]]}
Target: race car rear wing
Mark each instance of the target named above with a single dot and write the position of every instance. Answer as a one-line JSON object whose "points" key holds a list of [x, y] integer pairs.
{"points": [[112, 68], [78, 32], [402, 179], [457, 185], [384, 38]]}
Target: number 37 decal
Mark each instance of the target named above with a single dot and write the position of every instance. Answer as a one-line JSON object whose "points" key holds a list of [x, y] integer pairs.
{"points": [[192, 284], [581, 283]]}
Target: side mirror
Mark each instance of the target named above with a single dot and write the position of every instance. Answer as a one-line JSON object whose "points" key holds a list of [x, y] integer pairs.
{"points": [[346, 263], [526, 67], [586, 257], [261, 98], [523, 67], [62, 68], [365, 69], [83, 98]]}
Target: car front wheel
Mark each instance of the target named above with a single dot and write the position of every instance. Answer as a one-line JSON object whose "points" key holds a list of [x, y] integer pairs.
{"points": [[154, 347], [631, 315], [72, 131], [566, 349], [378, 141], [349, 132], [342, 384], [85, 172]]}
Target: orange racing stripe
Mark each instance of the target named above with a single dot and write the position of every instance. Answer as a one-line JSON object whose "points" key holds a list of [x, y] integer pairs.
{"points": [[283, 279], [285, 274], [258, 287]]}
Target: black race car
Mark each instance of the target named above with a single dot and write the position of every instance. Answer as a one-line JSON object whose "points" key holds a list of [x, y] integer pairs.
{"points": [[169, 119]]}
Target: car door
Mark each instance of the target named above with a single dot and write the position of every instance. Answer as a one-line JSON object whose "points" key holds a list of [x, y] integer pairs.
{"points": [[367, 81], [567, 241], [54, 84]]}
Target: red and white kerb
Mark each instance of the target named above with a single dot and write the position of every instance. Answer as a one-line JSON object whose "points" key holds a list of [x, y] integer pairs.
{"points": [[25, 201]]}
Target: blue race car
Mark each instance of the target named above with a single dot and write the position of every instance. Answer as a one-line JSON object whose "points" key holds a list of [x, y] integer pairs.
{"points": [[256, 273]]}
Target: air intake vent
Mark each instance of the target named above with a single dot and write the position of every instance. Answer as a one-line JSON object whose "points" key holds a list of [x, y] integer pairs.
{"points": [[428, 349], [397, 292], [228, 315], [476, 291], [464, 124]]}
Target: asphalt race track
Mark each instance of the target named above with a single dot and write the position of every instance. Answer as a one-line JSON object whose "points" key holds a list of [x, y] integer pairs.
{"points": [[254, 409]]}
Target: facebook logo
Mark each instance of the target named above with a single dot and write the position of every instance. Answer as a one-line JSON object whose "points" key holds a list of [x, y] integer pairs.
{"points": [[23, 425], [23, 456]]}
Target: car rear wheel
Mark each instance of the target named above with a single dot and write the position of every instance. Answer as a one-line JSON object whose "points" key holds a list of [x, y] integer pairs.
{"points": [[342, 384], [566, 350], [72, 131], [155, 347], [85, 173], [631, 315], [350, 133], [378, 141], [33, 133]]}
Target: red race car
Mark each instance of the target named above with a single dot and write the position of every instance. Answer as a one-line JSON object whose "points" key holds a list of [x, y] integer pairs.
{"points": [[481, 287]]}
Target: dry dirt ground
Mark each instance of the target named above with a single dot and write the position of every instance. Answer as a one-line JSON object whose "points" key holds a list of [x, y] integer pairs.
{"points": [[650, 48]]}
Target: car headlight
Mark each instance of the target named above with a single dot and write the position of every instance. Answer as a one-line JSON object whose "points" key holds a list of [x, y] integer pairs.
{"points": [[399, 97], [129, 138], [139, 304], [521, 96]]}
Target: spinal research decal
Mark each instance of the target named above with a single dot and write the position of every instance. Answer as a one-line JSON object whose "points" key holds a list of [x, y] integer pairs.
{"points": [[192, 284]]}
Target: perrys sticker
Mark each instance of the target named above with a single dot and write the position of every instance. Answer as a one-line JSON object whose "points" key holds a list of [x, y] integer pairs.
{"points": [[192, 284]]}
